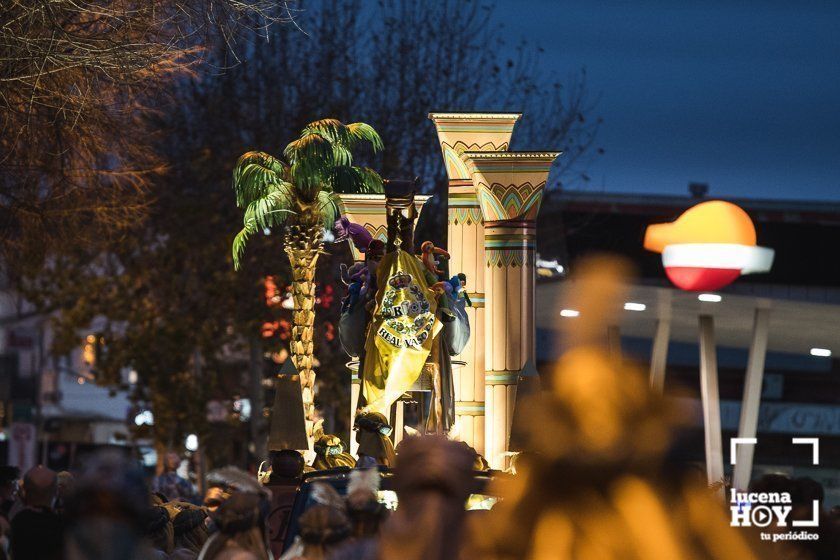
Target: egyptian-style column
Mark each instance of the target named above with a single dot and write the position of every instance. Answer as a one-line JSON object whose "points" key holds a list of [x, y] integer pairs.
{"points": [[367, 210], [476, 132], [510, 187]]}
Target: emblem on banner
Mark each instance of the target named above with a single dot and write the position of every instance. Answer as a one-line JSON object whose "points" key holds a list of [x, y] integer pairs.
{"points": [[406, 313]]}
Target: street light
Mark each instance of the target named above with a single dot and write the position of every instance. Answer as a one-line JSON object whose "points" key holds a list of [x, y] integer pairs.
{"points": [[145, 417]]}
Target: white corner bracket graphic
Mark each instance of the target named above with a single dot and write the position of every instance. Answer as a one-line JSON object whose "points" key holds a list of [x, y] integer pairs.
{"points": [[815, 517], [814, 442], [815, 460], [735, 442]]}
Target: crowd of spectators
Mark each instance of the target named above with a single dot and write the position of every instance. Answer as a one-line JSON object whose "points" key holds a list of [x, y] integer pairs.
{"points": [[107, 510]]}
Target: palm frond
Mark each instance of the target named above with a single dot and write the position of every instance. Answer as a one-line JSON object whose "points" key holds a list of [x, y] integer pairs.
{"points": [[273, 209], [269, 211], [254, 176], [342, 155], [355, 180], [332, 129], [309, 180], [312, 159], [366, 133], [239, 242], [260, 158], [345, 135], [312, 147], [328, 208]]}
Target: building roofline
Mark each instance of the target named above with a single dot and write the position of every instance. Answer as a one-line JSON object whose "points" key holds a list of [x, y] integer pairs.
{"points": [[789, 210]]}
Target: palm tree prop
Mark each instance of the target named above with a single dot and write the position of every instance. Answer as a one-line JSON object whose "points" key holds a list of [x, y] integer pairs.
{"points": [[299, 192]]}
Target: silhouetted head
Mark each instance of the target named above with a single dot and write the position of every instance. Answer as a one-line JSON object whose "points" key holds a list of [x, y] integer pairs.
{"points": [[324, 525], [39, 487], [286, 463], [171, 462], [105, 515], [239, 513], [241, 523]]}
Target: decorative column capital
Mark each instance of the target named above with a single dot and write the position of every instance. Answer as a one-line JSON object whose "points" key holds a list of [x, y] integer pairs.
{"points": [[509, 185], [475, 132], [368, 210]]}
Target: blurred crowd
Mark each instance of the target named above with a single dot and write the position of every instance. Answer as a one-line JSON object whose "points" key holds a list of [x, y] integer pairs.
{"points": [[597, 475], [108, 511]]}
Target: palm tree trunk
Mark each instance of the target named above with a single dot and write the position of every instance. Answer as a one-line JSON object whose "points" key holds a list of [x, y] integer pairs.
{"points": [[303, 247]]}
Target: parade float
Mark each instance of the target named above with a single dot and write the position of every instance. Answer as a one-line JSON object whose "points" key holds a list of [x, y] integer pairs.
{"points": [[452, 330]]}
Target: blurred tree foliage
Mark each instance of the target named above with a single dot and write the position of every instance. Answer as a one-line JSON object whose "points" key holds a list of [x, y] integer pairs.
{"points": [[78, 82], [164, 291]]}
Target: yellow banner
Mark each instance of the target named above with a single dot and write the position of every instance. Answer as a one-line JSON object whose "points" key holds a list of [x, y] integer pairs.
{"points": [[402, 330]]}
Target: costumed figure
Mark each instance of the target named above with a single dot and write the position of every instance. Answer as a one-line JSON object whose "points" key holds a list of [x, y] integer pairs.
{"points": [[329, 451], [418, 323], [479, 462], [414, 319], [373, 436], [454, 335]]}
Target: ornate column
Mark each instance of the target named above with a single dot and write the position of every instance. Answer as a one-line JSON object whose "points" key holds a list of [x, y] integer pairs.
{"points": [[457, 133], [367, 210], [510, 187]]}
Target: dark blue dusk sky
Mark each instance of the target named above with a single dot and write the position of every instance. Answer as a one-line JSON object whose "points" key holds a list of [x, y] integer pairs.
{"points": [[744, 95]]}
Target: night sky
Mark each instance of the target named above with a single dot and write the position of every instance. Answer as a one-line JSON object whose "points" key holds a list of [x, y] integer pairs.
{"points": [[742, 95]]}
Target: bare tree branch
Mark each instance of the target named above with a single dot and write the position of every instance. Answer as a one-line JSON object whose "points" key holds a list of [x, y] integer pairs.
{"points": [[78, 81]]}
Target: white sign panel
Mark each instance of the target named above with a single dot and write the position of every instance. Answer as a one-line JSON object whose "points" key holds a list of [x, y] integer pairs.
{"points": [[23, 446]]}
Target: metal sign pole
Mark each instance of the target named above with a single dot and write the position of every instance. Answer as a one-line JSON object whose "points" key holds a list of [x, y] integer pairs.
{"points": [[752, 399], [710, 395]]}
